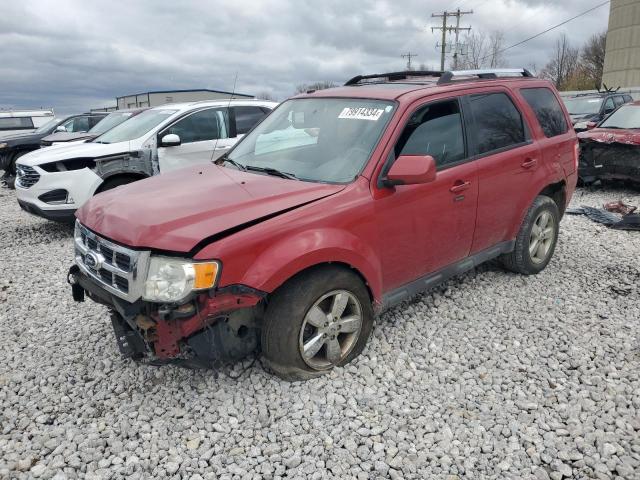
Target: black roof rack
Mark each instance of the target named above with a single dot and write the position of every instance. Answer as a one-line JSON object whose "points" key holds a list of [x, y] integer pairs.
{"points": [[392, 76], [487, 74]]}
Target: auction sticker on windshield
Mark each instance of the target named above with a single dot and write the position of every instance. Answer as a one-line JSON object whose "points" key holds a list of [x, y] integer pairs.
{"points": [[361, 113]]}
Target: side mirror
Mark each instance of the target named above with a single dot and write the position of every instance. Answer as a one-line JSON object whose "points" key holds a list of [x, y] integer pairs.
{"points": [[411, 170], [170, 140], [591, 125], [61, 128]]}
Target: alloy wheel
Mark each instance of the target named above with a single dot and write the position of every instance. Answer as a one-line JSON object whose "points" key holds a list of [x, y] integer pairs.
{"points": [[330, 329], [542, 237]]}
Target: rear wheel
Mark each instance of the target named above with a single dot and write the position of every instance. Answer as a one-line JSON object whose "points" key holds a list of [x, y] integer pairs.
{"points": [[316, 321], [536, 240]]}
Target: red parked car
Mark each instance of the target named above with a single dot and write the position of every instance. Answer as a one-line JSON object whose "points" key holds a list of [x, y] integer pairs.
{"points": [[341, 203]]}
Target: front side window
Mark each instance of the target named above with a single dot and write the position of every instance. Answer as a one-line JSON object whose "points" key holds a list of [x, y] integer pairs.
{"points": [[627, 116], [247, 117], [547, 110], [79, 124], [498, 122], [200, 126], [608, 105], [316, 139], [434, 130], [137, 126]]}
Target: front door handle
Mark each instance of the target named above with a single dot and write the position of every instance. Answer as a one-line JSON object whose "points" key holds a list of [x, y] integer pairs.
{"points": [[529, 162], [221, 147], [460, 186]]}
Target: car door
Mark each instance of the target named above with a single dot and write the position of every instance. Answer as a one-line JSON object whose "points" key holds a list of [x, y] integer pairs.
{"points": [[203, 134], [423, 228], [508, 161]]}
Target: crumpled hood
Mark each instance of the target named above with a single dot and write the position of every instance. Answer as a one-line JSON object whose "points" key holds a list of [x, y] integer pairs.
{"points": [[73, 150], [612, 135], [176, 211]]}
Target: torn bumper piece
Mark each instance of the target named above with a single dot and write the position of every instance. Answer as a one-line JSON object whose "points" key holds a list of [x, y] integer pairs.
{"points": [[210, 328]]}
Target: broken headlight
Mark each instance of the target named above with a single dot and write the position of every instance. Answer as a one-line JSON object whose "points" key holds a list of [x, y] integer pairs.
{"points": [[172, 279]]}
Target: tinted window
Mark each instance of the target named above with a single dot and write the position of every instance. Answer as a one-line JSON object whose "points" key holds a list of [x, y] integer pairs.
{"points": [[618, 101], [200, 126], [628, 98], [247, 117], [547, 109], [15, 122], [498, 122], [434, 130], [80, 124], [608, 105]]}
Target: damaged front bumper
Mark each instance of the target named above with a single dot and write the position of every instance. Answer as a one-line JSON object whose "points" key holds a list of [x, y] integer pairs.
{"points": [[210, 329], [600, 160]]}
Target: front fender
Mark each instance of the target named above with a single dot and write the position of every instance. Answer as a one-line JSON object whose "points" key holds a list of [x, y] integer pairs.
{"points": [[291, 255]]}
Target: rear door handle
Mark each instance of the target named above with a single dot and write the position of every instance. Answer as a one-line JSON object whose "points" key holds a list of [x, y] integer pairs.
{"points": [[529, 162], [460, 186]]}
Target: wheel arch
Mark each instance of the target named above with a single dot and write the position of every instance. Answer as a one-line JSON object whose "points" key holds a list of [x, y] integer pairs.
{"points": [[133, 176]]}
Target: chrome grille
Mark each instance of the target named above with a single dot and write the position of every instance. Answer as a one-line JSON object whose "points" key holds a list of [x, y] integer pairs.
{"points": [[119, 270], [26, 176]]}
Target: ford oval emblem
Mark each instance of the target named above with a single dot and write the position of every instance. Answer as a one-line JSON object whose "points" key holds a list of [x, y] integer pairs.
{"points": [[92, 260]]}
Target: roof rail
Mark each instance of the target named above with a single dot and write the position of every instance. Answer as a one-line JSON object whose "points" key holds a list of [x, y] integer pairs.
{"points": [[493, 73], [393, 76]]}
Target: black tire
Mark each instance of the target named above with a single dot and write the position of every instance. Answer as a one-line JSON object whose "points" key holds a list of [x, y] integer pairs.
{"points": [[116, 182], [10, 173], [520, 260], [282, 336]]}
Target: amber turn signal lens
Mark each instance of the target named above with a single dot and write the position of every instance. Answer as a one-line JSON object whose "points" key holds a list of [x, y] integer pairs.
{"points": [[206, 274]]}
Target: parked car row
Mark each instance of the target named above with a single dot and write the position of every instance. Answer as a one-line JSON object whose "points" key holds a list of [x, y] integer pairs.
{"points": [[339, 204], [54, 182], [15, 145], [593, 107]]}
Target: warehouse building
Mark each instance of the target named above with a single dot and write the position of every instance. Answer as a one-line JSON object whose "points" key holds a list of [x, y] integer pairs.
{"points": [[160, 97], [622, 55]]}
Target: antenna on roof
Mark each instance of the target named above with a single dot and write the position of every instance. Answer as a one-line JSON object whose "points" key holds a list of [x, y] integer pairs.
{"points": [[235, 80]]}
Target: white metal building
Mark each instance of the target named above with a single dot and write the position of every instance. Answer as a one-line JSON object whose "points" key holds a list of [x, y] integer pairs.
{"points": [[161, 97]]}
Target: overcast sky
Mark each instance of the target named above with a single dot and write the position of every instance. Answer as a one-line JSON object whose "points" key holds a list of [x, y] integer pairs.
{"points": [[78, 54]]}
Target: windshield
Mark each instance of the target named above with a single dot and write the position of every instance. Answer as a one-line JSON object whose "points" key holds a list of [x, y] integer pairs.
{"points": [[583, 106], [48, 126], [110, 121], [136, 126], [316, 139], [627, 116]]}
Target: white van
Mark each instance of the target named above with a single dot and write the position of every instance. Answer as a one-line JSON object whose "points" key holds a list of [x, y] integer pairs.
{"points": [[23, 120], [55, 181]]}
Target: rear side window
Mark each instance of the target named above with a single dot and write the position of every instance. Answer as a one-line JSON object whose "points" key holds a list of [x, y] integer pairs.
{"points": [[247, 117], [547, 109], [498, 122], [434, 130], [9, 123], [628, 98], [618, 101]]}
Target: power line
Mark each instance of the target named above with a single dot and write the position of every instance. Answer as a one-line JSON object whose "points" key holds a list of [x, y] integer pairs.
{"points": [[547, 30], [409, 56], [449, 28]]}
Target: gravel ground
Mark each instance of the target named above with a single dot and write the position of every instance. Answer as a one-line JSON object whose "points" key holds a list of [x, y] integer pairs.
{"points": [[493, 375]]}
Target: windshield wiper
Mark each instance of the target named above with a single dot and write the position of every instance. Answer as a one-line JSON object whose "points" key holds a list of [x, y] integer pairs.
{"points": [[272, 171], [225, 159]]}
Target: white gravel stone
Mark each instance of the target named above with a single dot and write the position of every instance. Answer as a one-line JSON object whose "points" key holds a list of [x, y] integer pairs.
{"points": [[492, 375]]}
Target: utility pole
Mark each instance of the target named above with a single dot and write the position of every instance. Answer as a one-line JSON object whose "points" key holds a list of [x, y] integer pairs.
{"points": [[449, 28], [409, 56]]}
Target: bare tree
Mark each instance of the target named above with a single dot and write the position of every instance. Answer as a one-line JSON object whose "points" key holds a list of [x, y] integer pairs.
{"points": [[592, 59], [564, 63], [265, 95], [483, 51], [315, 86]]}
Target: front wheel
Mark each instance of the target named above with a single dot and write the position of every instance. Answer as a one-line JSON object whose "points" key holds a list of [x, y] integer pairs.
{"points": [[536, 240], [316, 321]]}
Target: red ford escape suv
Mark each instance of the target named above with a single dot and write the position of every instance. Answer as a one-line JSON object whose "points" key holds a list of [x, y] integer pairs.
{"points": [[341, 203]]}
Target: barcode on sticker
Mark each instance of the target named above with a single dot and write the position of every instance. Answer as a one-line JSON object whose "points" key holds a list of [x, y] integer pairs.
{"points": [[361, 113]]}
